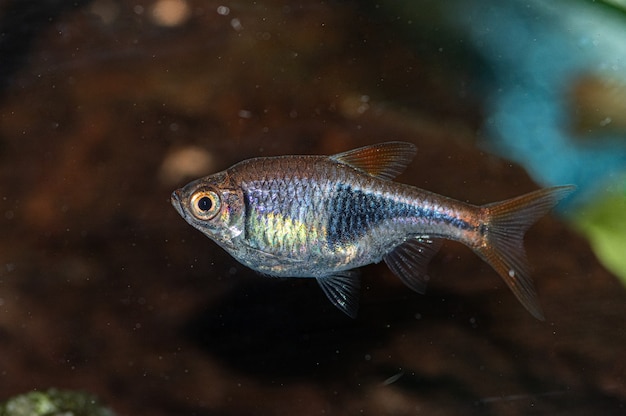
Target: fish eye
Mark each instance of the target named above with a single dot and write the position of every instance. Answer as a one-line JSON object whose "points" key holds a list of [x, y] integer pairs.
{"points": [[205, 204]]}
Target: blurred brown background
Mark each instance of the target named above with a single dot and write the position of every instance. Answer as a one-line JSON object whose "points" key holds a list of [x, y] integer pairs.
{"points": [[107, 106]]}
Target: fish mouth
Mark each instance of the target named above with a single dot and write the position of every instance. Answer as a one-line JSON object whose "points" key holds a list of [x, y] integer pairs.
{"points": [[177, 203]]}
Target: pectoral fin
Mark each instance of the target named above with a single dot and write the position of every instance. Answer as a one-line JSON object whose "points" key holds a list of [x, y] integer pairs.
{"points": [[343, 291], [408, 261]]}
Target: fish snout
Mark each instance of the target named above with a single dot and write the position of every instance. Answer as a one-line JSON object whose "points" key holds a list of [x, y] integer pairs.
{"points": [[177, 202]]}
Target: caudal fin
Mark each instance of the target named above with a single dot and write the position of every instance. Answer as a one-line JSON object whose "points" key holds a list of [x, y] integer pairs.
{"points": [[505, 226]]}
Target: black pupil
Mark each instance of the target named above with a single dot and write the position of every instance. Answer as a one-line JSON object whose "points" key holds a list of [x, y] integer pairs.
{"points": [[205, 203]]}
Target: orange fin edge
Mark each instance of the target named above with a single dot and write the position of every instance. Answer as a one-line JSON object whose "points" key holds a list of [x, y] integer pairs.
{"points": [[384, 160]]}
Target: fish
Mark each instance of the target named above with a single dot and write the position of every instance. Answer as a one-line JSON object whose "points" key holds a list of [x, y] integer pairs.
{"points": [[323, 217]]}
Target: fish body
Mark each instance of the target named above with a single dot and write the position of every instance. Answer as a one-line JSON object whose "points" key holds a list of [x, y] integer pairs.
{"points": [[324, 216]]}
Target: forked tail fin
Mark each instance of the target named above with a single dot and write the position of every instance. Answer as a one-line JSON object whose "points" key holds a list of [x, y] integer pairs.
{"points": [[505, 225]]}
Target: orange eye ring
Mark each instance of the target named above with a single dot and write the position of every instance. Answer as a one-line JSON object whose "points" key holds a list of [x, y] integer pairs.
{"points": [[205, 204]]}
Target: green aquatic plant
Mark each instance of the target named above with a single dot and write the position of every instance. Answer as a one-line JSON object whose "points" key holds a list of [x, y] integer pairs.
{"points": [[604, 224], [54, 403]]}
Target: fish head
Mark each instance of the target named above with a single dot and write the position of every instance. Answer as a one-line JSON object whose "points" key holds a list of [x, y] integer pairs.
{"points": [[214, 205]]}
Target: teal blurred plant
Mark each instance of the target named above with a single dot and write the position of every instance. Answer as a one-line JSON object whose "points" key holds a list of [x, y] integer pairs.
{"points": [[54, 403], [559, 107], [553, 79]]}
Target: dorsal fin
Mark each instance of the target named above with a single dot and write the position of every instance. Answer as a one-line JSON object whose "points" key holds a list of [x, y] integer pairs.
{"points": [[384, 160]]}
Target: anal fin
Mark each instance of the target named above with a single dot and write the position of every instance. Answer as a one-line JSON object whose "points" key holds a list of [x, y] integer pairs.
{"points": [[409, 260]]}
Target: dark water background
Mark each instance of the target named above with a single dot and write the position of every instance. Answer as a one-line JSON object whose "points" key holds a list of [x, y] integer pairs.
{"points": [[107, 106]]}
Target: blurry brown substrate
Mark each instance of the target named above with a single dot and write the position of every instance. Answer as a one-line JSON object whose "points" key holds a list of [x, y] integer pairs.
{"points": [[104, 288]]}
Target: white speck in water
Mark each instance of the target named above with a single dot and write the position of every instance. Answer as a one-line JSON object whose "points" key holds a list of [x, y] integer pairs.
{"points": [[236, 24], [393, 378], [473, 322], [245, 114], [606, 121], [367, 356], [512, 273], [223, 10]]}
